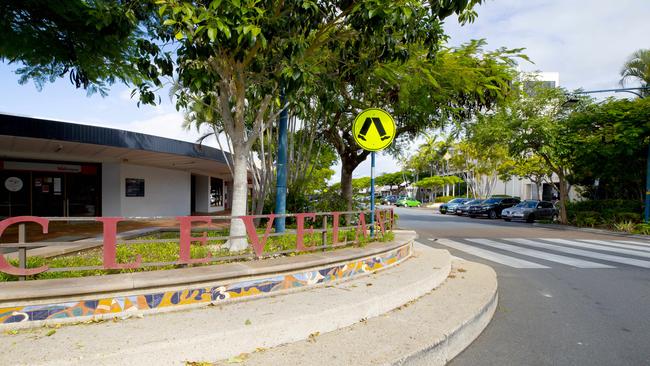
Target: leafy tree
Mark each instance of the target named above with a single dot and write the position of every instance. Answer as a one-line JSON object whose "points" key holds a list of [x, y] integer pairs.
{"points": [[94, 42], [390, 180], [534, 124], [530, 167], [359, 184], [613, 140], [411, 76], [435, 182], [637, 68], [480, 163]]}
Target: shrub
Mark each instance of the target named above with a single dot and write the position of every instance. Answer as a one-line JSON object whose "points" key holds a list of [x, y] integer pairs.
{"points": [[444, 199], [605, 212], [626, 226], [643, 229], [587, 218], [627, 217]]}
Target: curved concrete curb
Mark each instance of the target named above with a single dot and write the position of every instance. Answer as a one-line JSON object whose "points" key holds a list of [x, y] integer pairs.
{"points": [[220, 332], [592, 231], [456, 340], [431, 330]]}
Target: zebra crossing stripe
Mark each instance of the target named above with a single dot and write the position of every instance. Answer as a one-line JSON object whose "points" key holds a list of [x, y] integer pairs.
{"points": [[574, 243], [583, 253], [574, 262], [617, 245], [491, 256], [635, 243]]}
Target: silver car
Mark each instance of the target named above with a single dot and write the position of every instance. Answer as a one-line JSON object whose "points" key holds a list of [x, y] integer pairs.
{"points": [[531, 210]]}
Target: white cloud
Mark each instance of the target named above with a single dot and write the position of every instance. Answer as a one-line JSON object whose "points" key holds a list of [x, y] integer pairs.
{"points": [[586, 41]]}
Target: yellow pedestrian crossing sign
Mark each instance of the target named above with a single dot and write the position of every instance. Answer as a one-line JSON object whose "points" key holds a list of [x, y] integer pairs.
{"points": [[373, 129]]}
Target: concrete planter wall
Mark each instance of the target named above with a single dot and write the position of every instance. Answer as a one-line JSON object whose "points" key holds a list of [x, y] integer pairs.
{"points": [[36, 303]]}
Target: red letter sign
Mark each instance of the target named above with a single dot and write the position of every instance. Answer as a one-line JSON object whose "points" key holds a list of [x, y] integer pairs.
{"points": [[258, 246], [300, 229], [4, 265], [187, 239], [380, 222], [110, 243], [335, 227], [361, 226]]}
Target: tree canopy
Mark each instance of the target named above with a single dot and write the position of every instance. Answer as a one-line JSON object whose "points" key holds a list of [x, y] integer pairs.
{"points": [[94, 43]]}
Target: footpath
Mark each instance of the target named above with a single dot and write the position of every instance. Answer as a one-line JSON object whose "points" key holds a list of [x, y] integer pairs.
{"points": [[423, 311]]}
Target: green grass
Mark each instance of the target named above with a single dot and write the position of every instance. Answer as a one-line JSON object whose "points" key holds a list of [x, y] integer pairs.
{"points": [[166, 251]]}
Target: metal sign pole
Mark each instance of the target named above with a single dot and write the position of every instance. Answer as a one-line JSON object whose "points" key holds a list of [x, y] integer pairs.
{"points": [[281, 182], [372, 195]]}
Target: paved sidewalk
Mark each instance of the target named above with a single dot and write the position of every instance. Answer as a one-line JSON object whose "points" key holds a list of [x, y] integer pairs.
{"points": [[431, 330], [353, 322]]}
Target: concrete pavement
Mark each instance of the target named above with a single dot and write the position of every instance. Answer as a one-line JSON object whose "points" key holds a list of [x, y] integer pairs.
{"points": [[221, 332], [429, 331]]}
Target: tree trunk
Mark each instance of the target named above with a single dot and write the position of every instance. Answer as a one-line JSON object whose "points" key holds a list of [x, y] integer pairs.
{"points": [[346, 188], [564, 197], [239, 201]]}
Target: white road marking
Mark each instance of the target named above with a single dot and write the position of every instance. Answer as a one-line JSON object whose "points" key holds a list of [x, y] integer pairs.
{"points": [[486, 254], [574, 262], [574, 243], [613, 244], [583, 253], [641, 244]]}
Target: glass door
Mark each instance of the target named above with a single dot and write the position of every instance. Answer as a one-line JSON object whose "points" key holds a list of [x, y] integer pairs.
{"points": [[48, 194]]}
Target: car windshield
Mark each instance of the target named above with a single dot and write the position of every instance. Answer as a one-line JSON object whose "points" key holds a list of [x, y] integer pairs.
{"points": [[474, 202], [528, 204], [457, 200], [492, 200]]}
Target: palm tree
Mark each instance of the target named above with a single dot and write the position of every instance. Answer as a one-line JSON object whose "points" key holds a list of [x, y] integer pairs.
{"points": [[637, 68]]}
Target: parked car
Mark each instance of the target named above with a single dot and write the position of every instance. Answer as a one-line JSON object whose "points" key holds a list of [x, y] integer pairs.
{"points": [[531, 210], [492, 207], [452, 205], [389, 200], [408, 202], [463, 209]]}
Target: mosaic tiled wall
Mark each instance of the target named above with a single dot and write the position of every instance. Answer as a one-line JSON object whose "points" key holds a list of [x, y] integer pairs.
{"points": [[119, 304]]}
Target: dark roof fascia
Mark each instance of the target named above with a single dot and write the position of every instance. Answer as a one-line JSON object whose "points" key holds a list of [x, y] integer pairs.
{"points": [[65, 131]]}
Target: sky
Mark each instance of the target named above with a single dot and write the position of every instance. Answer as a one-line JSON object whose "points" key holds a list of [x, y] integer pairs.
{"points": [[586, 41]]}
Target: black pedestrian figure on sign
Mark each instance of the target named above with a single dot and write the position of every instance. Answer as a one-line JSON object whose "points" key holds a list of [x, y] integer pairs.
{"points": [[378, 126]]}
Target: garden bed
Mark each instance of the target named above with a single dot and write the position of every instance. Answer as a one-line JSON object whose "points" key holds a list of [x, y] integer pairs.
{"points": [[160, 254]]}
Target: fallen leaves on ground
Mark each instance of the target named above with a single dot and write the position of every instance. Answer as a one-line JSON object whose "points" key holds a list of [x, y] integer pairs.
{"points": [[248, 322], [238, 359], [50, 333], [312, 337]]}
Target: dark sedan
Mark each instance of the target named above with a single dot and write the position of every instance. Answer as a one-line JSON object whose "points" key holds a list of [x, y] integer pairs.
{"points": [[463, 209], [452, 205], [492, 207], [389, 200], [531, 210]]}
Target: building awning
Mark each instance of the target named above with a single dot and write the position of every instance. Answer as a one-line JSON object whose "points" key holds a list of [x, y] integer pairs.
{"points": [[32, 138]]}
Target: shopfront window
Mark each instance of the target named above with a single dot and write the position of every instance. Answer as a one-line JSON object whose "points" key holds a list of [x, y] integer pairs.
{"points": [[216, 192]]}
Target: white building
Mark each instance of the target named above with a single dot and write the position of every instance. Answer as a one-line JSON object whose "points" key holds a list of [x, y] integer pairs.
{"points": [[51, 168]]}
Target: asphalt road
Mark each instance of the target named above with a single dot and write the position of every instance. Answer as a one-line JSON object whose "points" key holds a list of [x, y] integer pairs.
{"points": [[565, 297]]}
